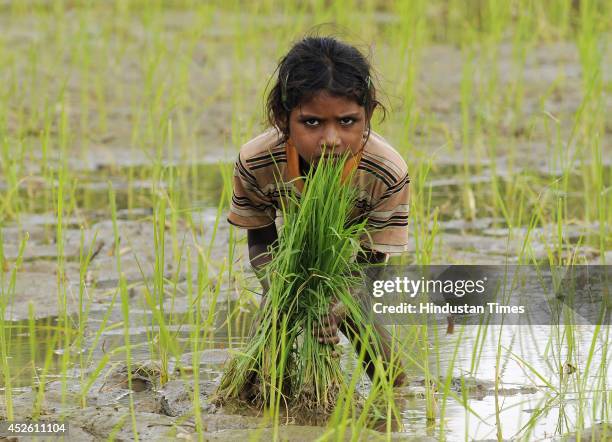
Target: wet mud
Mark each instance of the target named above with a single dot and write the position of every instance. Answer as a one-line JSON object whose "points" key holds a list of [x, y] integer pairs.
{"points": [[167, 411]]}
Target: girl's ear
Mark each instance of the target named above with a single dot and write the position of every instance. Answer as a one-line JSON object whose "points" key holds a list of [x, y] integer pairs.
{"points": [[282, 123]]}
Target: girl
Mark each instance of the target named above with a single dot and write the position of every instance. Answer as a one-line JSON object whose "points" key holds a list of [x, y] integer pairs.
{"points": [[323, 99]]}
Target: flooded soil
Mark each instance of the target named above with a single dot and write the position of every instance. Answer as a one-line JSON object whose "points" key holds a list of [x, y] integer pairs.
{"points": [[168, 410]]}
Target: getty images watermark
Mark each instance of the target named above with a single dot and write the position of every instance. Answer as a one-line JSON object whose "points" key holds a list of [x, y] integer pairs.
{"points": [[448, 288], [488, 294]]}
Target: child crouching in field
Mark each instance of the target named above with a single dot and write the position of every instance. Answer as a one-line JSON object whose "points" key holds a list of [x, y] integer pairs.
{"points": [[323, 99]]}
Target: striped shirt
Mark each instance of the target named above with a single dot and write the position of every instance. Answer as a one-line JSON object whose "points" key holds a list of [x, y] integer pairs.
{"points": [[265, 170]]}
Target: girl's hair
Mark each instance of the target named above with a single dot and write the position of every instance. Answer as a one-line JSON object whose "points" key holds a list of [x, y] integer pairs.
{"points": [[317, 64]]}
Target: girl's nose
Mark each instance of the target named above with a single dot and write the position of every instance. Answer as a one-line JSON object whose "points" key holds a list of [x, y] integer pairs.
{"points": [[331, 139]]}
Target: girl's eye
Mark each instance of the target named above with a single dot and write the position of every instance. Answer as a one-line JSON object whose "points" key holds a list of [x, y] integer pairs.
{"points": [[312, 122], [347, 121]]}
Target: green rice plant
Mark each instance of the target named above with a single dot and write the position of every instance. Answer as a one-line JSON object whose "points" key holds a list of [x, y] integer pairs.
{"points": [[6, 297], [85, 301], [431, 406], [412, 33], [128, 357], [52, 337], [425, 216], [312, 267], [11, 165], [125, 310], [195, 318], [60, 194]]}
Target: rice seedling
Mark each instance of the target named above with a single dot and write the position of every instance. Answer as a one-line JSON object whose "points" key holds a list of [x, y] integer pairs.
{"points": [[7, 292], [312, 267]]}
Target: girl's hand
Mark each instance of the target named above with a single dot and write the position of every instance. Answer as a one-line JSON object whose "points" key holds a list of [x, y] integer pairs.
{"points": [[326, 330]]}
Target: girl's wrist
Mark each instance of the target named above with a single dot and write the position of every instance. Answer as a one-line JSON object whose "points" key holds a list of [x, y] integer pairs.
{"points": [[339, 310]]}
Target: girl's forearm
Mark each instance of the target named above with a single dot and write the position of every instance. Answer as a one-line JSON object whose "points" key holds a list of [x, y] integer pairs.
{"points": [[371, 257], [260, 241], [259, 258]]}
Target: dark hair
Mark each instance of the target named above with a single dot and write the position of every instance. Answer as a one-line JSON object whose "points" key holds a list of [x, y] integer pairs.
{"points": [[317, 64]]}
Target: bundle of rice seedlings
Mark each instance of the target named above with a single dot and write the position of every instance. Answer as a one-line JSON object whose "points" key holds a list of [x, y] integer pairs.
{"points": [[312, 266]]}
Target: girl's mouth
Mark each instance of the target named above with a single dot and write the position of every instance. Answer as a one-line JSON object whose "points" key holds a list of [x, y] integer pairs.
{"points": [[326, 158], [331, 155]]}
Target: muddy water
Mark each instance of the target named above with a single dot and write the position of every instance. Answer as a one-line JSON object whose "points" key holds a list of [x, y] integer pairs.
{"points": [[166, 410], [521, 393]]}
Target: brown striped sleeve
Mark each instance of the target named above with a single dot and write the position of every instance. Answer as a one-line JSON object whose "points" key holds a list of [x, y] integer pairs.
{"points": [[250, 207], [387, 223]]}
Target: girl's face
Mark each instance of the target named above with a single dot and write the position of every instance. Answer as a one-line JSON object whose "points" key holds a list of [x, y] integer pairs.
{"points": [[336, 123]]}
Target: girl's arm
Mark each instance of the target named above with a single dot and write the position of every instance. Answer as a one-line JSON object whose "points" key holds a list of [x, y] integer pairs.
{"points": [[371, 257], [259, 240], [327, 328]]}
